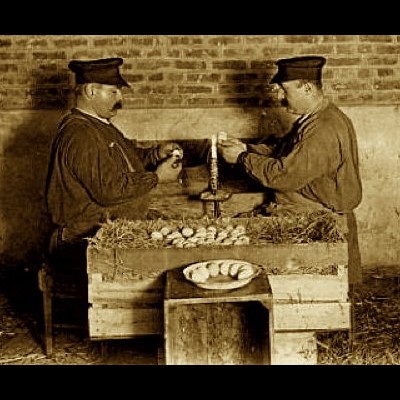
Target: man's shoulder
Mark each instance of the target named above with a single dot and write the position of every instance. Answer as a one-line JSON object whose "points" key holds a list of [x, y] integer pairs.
{"points": [[73, 117]]}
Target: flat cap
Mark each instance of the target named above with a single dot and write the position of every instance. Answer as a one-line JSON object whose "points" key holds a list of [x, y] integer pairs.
{"points": [[104, 71], [306, 67]]}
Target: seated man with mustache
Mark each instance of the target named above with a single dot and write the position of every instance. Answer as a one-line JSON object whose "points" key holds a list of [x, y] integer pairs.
{"points": [[95, 173]]}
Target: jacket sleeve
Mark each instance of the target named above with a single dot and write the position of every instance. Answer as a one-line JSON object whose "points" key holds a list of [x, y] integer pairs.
{"points": [[316, 155], [104, 178], [148, 155]]}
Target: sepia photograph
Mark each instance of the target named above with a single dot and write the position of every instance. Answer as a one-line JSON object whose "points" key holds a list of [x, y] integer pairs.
{"points": [[188, 199]]}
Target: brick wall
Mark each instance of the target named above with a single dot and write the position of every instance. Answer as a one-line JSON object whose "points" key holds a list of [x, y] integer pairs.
{"points": [[191, 87], [197, 71]]}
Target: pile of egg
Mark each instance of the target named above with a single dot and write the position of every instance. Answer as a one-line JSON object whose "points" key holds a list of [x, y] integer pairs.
{"points": [[211, 235]]}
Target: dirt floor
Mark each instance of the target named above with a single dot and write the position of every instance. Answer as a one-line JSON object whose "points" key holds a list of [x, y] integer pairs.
{"points": [[21, 330], [377, 330]]}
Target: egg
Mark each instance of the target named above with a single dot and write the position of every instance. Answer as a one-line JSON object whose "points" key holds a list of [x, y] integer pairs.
{"points": [[187, 232], [200, 274], [245, 272], [213, 269], [165, 230], [233, 269], [157, 235], [224, 268]]}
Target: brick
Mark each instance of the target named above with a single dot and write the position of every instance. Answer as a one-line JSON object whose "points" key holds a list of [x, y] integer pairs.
{"points": [[143, 41], [54, 55], [387, 49], [241, 88], [132, 78], [5, 42], [224, 40], [337, 38], [201, 53], [269, 40], [333, 61], [376, 38], [153, 53], [179, 40], [173, 53], [241, 77], [383, 60], [152, 64], [194, 89], [302, 39], [12, 56], [383, 72], [156, 77], [63, 43], [321, 49], [248, 51], [110, 42], [203, 77], [38, 43], [364, 73], [173, 77], [204, 101], [387, 85], [190, 64], [262, 64], [8, 68], [229, 64], [127, 53], [86, 54], [346, 49]]}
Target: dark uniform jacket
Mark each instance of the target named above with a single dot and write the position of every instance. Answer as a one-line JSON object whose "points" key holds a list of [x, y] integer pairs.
{"points": [[315, 163], [96, 173]]}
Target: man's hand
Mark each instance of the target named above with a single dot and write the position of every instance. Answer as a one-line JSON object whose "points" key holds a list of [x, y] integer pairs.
{"points": [[168, 171], [166, 149], [230, 149]]}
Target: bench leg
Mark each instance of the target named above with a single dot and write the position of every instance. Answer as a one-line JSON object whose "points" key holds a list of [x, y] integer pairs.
{"points": [[48, 323]]}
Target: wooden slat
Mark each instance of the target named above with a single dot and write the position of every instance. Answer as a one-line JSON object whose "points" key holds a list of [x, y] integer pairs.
{"points": [[159, 260], [131, 297], [124, 323], [294, 348], [309, 287], [311, 316]]}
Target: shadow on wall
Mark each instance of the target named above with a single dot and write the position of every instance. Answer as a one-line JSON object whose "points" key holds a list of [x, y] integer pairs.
{"points": [[24, 222]]}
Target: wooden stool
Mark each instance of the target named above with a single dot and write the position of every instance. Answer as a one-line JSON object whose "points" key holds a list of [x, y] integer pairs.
{"points": [[59, 285]]}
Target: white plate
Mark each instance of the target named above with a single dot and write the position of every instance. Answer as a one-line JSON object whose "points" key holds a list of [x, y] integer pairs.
{"points": [[221, 281]]}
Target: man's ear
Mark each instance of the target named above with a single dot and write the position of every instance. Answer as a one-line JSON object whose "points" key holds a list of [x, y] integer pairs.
{"points": [[88, 89], [308, 87]]}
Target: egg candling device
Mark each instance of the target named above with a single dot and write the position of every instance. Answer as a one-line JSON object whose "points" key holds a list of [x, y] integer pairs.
{"points": [[214, 193]]}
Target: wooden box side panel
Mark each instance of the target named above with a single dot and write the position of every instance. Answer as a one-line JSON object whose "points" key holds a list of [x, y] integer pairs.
{"points": [[311, 316], [310, 287], [148, 290], [216, 334], [123, 323], [294, 348], [125, 263]]}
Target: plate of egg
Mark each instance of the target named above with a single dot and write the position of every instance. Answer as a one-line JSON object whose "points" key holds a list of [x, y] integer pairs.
{"points": [[221, 274]]}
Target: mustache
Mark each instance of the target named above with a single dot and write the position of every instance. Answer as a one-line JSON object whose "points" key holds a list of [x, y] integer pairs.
{"points": [[117, 105]]}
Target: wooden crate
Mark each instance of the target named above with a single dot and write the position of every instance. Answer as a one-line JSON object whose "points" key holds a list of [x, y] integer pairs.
{"points": [[126, 286]]}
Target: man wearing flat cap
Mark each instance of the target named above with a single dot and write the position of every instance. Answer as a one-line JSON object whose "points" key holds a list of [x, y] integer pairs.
{"points": [[314, 166], [95, 173]]}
